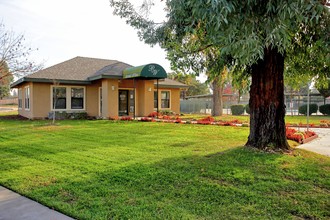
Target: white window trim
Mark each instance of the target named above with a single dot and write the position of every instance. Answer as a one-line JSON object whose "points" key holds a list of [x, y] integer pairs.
{"points": [[25, 88], [68, 98], [20, 97], [160, 103]]}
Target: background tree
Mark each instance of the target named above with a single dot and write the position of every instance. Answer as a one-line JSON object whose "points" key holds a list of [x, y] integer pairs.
{"points": [[259, 35], [5, 79], [241, 81], [324, 90], [195, 86], [15, 55]]}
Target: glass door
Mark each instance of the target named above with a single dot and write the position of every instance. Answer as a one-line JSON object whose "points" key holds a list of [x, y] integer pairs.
{"points": [[123, 102]]}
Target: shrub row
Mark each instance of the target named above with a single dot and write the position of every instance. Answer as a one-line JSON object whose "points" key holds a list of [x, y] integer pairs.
{"points": [[68, 115], [324, 109], [239, 109]]}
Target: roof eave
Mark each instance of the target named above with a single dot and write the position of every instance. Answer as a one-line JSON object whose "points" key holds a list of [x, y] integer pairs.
{"points": [[172, 86], [42, 80], [93, 78]]}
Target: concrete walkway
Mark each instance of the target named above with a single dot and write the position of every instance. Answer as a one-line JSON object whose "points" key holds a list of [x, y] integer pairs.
{"points": [[16, 207], [320, 145]]}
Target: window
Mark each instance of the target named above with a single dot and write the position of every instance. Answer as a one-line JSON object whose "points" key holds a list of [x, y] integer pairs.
{"points": [[77, 98], [59, 97], [165, 95], [68, 97], [27, 98], [20, 98]]}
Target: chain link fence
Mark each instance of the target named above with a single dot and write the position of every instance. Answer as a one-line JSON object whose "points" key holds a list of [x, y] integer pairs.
{"points": [[204, 104]]}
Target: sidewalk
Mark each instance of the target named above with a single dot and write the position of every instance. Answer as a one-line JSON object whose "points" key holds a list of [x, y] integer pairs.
{"points": [[16, 207], [320, 145]]}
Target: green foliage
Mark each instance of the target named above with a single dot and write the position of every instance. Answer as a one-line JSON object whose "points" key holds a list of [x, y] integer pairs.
{"points": [[312, 109], [237, 109], [324, 89], [195, 86], [325, 109], [213, 34], [5, 79], [247, 109]]}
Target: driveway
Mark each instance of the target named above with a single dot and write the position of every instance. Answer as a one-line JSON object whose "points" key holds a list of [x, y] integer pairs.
{"points": [[320, 145]]}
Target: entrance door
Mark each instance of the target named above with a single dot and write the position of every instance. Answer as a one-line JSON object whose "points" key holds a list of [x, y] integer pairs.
{"points": [[123, 102]]}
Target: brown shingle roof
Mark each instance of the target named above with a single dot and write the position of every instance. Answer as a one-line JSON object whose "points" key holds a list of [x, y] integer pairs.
{"points": [[78, 68], [83, 70], [169, 83]]}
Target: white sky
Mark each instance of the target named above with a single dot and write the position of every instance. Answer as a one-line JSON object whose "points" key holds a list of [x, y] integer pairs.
{"points": [[64, 29]]}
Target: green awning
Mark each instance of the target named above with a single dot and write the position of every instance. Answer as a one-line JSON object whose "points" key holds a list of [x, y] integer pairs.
{"points": [[150, 71]]}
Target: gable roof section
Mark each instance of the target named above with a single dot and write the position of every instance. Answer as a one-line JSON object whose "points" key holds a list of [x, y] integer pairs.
{"points": [[78, 68], [83, 70], [170, 83]]}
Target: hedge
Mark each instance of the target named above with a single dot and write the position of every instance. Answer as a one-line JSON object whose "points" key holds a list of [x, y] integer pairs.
{"points": [[247, 109], [237, 109], [312, 109], [325, 109]]}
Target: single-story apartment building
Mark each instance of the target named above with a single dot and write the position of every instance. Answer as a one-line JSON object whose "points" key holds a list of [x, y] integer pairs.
{"points": [[100, 87]]}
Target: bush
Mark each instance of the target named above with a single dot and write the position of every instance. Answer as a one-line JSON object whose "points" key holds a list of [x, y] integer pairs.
{"points": [[68, 115], [247, 109], [312, 109], [237, 109], [325, 109]]}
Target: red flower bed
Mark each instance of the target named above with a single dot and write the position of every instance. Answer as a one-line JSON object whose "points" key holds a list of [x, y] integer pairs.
{"points": [[298, 136], [206, 121], [126, 118], [146, 119], [153, 114]]}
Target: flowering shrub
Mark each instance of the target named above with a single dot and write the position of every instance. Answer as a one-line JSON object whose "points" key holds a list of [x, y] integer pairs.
{"points": [[178, 120], [114, 118], [146, 119], [298, 136], [325, 123], [126, 118], [153, 114], [206, 121]]}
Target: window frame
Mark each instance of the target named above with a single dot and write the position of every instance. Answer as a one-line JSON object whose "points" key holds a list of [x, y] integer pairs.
{"points": [[68, 97], [27, 98], [83, 98], [169, 99], [20, 98]]}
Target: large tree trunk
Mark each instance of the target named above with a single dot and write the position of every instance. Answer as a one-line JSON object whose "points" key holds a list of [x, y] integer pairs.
{"points": [[267, 126], [217, 97]]}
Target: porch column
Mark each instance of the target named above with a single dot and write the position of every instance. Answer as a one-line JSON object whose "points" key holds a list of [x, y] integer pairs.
{"points": [[109, 98], [145, 93]]}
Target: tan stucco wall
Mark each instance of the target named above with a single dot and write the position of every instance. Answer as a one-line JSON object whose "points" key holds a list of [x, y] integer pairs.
{"points": [[92, 99], [41, 100], [24, 112], [174, 99], [145, 97], [110, 98]]}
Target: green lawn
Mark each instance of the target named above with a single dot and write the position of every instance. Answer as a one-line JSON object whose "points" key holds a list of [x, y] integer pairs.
{"points": [[134, 170]]}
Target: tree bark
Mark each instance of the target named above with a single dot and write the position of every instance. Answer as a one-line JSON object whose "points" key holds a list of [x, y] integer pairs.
{"points": [[267, 125], [217, 97]]}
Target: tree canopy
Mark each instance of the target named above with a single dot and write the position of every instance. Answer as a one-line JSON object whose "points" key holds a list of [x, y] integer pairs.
{"points": [[195, 86], [255, 35], [14, 54], [5, 79]]}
